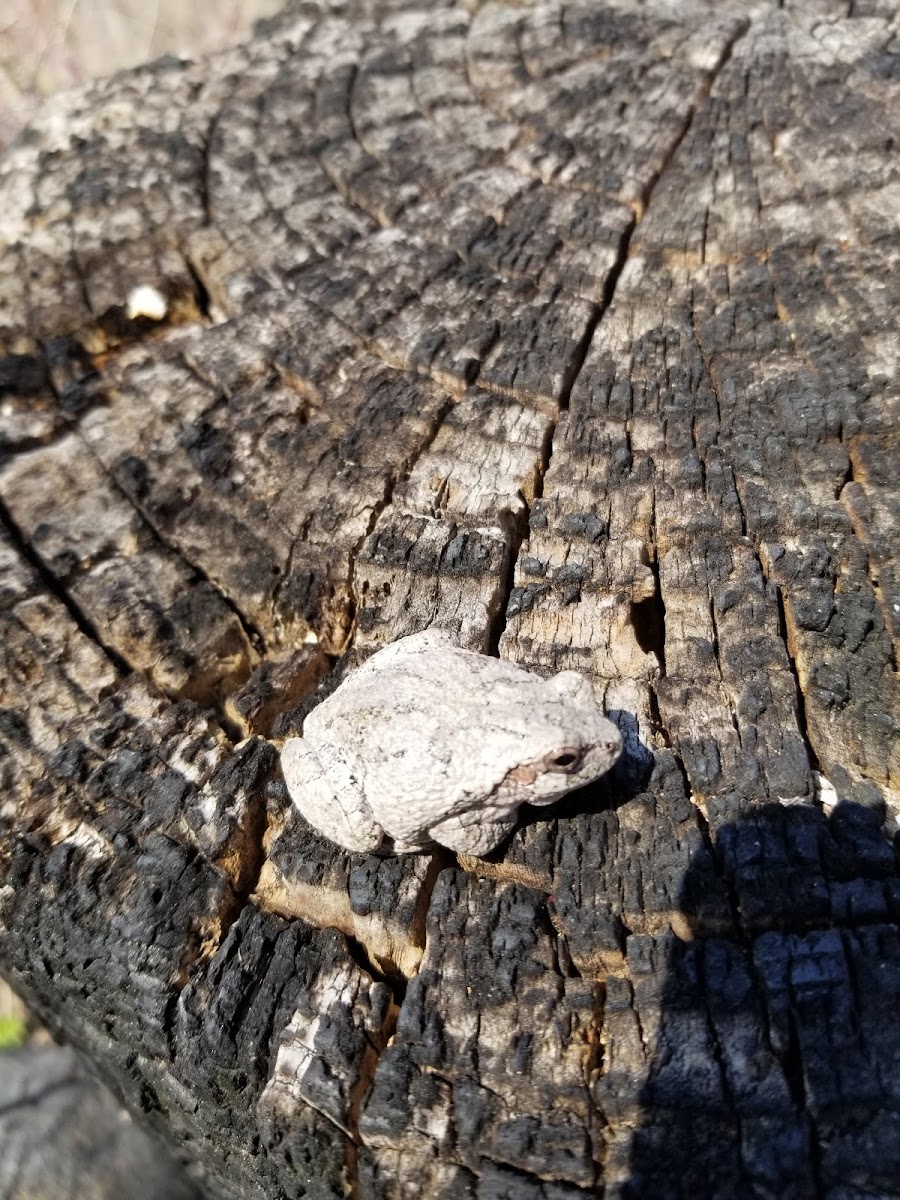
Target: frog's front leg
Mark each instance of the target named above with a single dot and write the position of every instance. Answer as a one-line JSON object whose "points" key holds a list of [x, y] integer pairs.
{"points": [[467, 835], [329, 796]]}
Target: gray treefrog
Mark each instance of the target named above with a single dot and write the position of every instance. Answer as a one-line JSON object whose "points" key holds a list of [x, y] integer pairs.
{"points": [[428, 742]]}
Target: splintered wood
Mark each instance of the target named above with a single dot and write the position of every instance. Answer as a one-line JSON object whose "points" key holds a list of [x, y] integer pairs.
{"points": [[569, 329]]}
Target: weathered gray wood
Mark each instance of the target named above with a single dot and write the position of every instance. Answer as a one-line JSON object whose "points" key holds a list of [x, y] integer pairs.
{"points": [[570, 328], [63, 1137]]}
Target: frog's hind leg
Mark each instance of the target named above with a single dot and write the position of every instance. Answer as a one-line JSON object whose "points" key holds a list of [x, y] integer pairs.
{"points": [[333, 803]]}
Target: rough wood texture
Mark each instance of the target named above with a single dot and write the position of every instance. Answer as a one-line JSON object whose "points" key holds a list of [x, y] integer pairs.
{"points": [[571, 328]]}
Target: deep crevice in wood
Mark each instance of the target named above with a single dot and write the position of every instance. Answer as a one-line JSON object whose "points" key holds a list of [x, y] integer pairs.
{"points": [[800, 697], [573, 371], [708, 84], [200, 290], [58, 589], [743, 1183], [387, 498], [648, 618], [251, 631]]}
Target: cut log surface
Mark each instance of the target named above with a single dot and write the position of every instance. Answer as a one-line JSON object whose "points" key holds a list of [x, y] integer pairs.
{"points": [[570, 328]]}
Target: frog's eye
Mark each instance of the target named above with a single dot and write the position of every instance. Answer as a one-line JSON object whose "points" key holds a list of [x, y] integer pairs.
{"points": [[566, 759]]}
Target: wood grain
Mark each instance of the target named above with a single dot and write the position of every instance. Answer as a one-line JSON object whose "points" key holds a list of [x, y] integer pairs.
{"points": [[570, 328]]}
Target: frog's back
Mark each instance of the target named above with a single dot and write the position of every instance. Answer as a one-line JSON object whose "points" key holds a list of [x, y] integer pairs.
{"points": [[423, 684]]}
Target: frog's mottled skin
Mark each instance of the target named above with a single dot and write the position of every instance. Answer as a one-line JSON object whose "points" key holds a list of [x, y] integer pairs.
{"points": [[428, 743]]}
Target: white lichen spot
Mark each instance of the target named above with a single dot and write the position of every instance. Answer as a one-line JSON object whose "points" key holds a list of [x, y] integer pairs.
{"points": [[794, 801], [146, 301], [297, 1051], [823, 793], [826, 793], [703, 53], [95, 846], [207, 806], [196, 762]]}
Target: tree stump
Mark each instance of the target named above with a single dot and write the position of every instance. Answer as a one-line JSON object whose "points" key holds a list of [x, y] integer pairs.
{"points": [[570, 328]]}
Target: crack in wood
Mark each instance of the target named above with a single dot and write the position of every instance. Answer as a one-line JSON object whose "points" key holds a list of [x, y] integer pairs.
{"points": [[204, 301], [252, 633], [395, 480], [800, 697], [57, 589], [251, 630], [578, 359]]}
